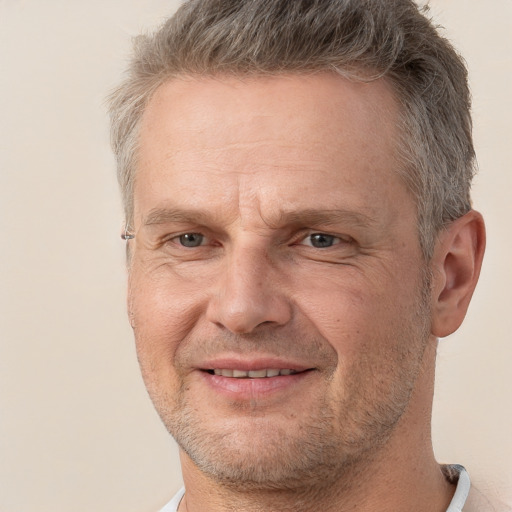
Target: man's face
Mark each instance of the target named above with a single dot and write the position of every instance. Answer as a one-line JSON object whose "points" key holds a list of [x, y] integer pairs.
{"points": [[276, 282]]}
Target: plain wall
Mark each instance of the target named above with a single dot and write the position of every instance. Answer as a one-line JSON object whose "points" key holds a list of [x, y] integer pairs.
{"points": [[77, 431]]}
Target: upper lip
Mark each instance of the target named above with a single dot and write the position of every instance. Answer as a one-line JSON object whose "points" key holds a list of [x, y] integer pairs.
{"points": [[255, 363]]}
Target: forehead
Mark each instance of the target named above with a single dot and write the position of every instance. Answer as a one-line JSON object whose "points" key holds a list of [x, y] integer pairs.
{"points": [[310, 105], [218, 136]]}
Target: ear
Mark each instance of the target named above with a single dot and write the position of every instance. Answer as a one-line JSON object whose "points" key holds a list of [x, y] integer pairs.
{"points": [[456, 264]]}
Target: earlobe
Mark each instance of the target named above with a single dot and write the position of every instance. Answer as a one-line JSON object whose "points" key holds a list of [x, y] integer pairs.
{"points": [[456, 267]]}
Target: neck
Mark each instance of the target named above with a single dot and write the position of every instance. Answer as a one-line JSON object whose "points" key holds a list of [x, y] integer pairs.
{"points": [[402, 475]]}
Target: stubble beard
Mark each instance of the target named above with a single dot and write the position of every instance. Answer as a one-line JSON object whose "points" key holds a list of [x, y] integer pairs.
{"points": [[324, 446]]}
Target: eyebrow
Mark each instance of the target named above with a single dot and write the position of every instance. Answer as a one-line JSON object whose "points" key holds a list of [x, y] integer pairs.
{"points": [[310, 216], [324, 217], [169, 215]]}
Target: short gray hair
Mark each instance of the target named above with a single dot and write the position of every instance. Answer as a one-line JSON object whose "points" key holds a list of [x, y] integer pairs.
{"points": [[359, 39]]}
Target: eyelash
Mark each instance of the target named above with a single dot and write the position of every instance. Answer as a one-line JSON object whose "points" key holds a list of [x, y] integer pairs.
{"points": [[175, 239], [335, 240]]}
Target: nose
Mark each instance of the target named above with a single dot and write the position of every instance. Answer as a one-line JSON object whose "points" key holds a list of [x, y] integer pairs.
{"points": [[250, 293]]}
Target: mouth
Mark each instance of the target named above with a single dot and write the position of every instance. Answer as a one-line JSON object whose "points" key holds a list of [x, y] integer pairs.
{"points": [[254, 377], [263, 373], [256, 383]]}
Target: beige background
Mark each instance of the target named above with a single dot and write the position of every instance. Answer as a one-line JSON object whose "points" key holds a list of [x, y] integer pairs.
{"points": [[76, 429]]}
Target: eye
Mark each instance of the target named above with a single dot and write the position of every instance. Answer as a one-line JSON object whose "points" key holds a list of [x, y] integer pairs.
{"points": [[191, 239], [321, 240]]}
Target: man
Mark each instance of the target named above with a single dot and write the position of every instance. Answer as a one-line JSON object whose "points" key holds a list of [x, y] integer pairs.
{"points": [[296, 181]]}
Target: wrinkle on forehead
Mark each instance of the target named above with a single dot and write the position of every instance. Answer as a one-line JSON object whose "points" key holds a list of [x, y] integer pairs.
{"points": [[264, 149]]}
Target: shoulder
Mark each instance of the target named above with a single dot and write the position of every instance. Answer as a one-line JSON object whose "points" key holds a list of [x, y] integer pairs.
{"points": [[469, 497], [478, 502]]}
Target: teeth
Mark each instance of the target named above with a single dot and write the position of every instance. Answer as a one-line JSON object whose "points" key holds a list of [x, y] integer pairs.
{"points": [[253, 374], [257, 373]]}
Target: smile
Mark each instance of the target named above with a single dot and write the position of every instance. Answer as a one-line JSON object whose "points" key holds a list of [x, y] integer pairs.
{"points": [[257, 383], [252, 374]]}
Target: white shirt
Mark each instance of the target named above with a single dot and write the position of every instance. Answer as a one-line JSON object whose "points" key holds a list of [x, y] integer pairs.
{"points": [[172, 506], [461, 491]]}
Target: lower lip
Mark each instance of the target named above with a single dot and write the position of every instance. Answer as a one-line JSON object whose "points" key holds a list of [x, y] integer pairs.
{"points": [[249, 389]]}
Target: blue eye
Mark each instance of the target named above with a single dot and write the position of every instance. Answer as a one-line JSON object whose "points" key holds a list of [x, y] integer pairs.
{"points": [[320, 240], [191, 239]]}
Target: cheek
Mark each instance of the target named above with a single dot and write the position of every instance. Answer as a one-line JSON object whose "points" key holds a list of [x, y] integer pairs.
{"points": [[359, 312], [162, 315]]}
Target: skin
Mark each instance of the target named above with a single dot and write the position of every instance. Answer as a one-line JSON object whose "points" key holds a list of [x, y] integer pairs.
{"points": [[356, 311]]}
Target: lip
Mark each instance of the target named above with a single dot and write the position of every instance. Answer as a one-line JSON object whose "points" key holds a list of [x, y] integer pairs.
{"points": [[250, 389], [248, 364]]}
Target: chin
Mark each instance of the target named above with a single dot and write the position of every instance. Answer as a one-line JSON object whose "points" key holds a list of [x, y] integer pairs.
{"points": [[257, 453]]}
